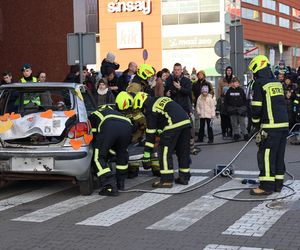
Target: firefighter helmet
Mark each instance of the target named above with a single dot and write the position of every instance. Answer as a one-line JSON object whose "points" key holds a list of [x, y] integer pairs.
{"points": [[124, 100], [258, 63], [145, 71], [139, 100]]}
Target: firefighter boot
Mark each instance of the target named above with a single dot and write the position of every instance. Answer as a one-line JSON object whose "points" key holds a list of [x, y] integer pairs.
{"points": [[155, 168], [121, 183], [109, 185], [278, 185], [133, 171]]}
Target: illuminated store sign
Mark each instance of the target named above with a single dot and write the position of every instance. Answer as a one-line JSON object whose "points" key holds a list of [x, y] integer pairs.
{"points": [[129, 6]]}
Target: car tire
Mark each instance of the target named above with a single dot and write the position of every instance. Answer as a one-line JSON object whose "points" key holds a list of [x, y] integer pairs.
{"points": [[87, 187]]}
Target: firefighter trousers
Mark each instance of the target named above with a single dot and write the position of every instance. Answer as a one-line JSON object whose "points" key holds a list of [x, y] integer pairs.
{"points": [[114, 135], [179, 141], [270, 158]]}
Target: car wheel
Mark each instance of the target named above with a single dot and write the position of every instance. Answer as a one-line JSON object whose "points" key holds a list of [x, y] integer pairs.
{"points": [[87, 187]]}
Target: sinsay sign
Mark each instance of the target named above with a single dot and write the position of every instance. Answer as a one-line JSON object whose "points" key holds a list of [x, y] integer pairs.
{"points": [[129, 6]]}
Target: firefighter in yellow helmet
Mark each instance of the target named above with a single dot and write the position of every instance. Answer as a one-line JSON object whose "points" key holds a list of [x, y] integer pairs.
{"points": [[124, 103], [140, 82], [112, 133], [168, 118], [270, 118]]}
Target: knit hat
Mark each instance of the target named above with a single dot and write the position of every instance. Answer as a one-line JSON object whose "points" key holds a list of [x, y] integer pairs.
{"points": [[110, 57], [25, 66], [204, 89]]}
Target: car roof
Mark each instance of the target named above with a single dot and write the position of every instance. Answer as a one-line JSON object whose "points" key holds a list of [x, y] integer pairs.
{"points": [[40, 85]]}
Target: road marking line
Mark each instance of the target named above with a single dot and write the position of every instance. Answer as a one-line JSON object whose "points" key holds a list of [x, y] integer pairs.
{"points": [[261, 218], [134, 206], [223, 247], [30, 196], [192, 171], [69, 205], [243, 172], [196, 210]]}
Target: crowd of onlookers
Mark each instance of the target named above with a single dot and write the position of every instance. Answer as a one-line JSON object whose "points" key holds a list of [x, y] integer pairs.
{"points": [[231, 103]]}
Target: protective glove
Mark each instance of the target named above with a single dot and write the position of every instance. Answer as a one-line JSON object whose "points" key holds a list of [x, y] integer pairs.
{"points": [[146, 161]]}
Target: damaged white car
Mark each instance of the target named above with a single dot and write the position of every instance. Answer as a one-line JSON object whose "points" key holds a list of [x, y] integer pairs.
{"points": [[45, 133]]}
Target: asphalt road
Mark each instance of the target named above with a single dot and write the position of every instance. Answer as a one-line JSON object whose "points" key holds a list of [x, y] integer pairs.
{"points": [[52, 215]]}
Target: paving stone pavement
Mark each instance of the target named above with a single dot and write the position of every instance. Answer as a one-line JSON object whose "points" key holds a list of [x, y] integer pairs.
{"points": [[47, 215]]}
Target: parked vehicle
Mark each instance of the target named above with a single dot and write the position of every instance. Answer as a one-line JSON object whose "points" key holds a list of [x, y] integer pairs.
{"points": [[45, 133]]}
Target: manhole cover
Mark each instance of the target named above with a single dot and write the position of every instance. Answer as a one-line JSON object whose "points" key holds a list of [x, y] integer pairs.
{"points": [[278, 205]]}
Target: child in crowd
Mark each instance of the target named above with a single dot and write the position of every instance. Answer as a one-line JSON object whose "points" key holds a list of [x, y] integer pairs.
{"points": [[236, 107], [104, 94], [225, 119], [205, 108]]}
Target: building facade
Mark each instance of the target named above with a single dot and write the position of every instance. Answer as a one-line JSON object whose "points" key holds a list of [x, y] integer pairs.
{"points": [[159, 32], [269, 23]]}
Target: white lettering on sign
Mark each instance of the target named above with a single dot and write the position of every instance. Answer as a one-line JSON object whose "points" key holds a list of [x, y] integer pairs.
{"points": [[129, 6], [129, 35]]}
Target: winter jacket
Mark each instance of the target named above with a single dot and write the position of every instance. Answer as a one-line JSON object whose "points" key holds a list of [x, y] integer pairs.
{"points": [[123, 81], [183, 96], [105, 97], [220, 108], [205, 106], [235, 101], [105, 65]]}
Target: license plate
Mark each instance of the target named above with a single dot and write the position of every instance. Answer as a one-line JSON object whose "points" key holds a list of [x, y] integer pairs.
{"points": [[32, 164]]}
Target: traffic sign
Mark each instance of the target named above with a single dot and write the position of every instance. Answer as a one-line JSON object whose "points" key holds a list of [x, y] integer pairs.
{"points": [[221, 65], [84, 43], [222, 48], [145, 54]]}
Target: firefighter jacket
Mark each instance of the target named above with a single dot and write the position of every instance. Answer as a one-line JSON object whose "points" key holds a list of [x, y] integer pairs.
{"points": [[102, 114], [162, 115], [137, 84], [268, 104]]}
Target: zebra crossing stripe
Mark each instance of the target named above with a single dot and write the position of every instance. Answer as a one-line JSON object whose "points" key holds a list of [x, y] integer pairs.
{"points": [[243, 172], [261, 218], [30, 196], [63, 207], [196, 210], [223, 247], [134, 206]]}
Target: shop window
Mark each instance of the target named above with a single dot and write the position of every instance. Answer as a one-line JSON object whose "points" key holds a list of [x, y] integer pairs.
{"points": [[267, 18]]}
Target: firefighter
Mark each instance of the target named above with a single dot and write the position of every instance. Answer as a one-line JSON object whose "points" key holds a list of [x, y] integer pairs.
{"points": [[168, 118], [112, 133], [139, 126], [270, 118], [141, 83]]}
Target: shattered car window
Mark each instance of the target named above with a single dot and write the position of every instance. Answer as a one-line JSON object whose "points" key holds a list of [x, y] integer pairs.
{"points": [[31, 101]]}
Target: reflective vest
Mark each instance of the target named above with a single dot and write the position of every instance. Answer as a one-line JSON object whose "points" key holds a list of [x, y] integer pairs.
{"points": [[34, 79]]}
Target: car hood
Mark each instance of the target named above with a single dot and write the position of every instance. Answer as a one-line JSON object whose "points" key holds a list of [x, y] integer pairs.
{"points": [[43, 123]]}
